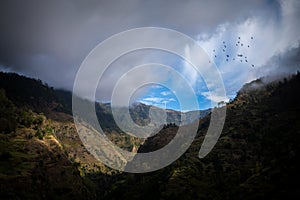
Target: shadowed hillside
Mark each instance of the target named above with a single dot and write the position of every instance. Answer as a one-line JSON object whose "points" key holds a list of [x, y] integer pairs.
{"points": [[40, 148], [35, 95], [42, 157], [256, 156]]}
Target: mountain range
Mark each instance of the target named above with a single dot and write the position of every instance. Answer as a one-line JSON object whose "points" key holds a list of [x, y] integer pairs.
{"points": [[256, 157]]}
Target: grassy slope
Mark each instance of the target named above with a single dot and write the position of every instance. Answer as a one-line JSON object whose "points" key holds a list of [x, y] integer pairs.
{"points": [[33, 164], [40, 148], [41, 155]]}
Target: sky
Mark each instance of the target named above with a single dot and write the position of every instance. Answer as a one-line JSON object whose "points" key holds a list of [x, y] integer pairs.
{"points": [[50, 39]]}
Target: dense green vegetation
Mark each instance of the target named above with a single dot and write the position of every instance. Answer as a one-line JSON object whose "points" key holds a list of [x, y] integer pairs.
{"points": [[12, 117], [257, 156], [32, 162], [33, 94], [42, 157]]}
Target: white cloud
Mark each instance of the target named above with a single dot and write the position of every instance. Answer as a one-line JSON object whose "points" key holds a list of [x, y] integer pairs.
{"points": [[166, 93], [153, 99], [214, 98], [188, 71], [158, 99], [274, 34]]}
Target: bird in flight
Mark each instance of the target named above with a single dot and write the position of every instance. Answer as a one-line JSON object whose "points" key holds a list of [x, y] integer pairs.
{"points": [[226, 46]]}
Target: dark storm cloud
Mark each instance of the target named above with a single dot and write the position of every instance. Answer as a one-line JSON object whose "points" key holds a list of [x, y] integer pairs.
{"points": [[49, 39], [282, 64]]}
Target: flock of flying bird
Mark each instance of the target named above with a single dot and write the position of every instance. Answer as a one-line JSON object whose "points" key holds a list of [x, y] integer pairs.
{"points": [[241, 57]]}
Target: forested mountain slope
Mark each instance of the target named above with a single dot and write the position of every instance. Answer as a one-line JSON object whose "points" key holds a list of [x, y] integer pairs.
{"points": [[256, 157]]}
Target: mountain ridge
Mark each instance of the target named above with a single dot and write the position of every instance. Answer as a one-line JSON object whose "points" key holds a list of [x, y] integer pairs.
{"points": [[256, 156], [55, 103]]}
